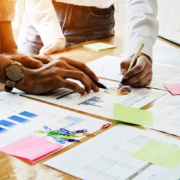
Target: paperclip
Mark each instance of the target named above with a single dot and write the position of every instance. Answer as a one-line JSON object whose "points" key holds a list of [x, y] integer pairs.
{"points": [[59, 140], [42, 132], [72, 140], [47, 129], [105, 126], [74, 135], [65, 131], [80, 131], [54, 133], [64, 137]]}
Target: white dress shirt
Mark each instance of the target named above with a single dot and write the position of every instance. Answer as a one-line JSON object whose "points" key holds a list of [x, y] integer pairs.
{"points": [[142, 24]]}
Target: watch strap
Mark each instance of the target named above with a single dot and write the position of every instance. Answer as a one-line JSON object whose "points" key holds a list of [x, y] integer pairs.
{"points": [[9, 85]]}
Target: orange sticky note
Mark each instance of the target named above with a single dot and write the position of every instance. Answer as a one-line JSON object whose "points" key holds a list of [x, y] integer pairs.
{"points": [[174, 88], [31, 148]]}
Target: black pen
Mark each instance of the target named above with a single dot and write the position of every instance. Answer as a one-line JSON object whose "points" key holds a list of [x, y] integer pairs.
{"points": [[100, 85]]}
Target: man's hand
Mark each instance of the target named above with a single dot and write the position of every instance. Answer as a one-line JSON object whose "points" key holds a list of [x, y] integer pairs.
{"points": [[141, 74], [55, 74], [56, 46], [28, 60]]}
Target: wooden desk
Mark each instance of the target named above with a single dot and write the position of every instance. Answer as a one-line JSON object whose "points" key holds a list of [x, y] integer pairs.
{"points": [[12, 168]]}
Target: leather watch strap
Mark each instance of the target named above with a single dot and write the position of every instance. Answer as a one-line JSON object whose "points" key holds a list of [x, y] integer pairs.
{"points": [[9, 85]]}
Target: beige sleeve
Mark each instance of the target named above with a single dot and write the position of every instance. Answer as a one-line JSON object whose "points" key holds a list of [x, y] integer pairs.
{"points": [[7, 10]]}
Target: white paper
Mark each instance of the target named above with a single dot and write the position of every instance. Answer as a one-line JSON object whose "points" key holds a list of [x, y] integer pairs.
{"points": [[108, 67], [164, 74], [46, 115], [108, 157], [166, 114], [101, 103], [166, 55]]}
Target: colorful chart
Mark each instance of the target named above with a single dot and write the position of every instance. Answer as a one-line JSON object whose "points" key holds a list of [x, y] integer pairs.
{"points": [[113, 91]]}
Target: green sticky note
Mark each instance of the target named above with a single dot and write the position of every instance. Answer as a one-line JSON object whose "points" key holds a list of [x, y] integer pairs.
{"points": [[160, 154], [132, 115], [99, 46]]}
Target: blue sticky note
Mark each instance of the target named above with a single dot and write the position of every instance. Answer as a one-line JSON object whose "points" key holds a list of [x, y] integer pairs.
{"points": [[28, 114], [18, 119], [6, 123]]}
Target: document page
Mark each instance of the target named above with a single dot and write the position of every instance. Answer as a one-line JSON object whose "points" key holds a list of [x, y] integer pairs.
{"points": [[21, 117], [108, 67], [108, 156], [102, 103], [166, 114]]}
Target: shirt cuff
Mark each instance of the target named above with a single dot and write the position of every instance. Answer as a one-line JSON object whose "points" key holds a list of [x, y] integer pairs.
{"points": [[50, 32], [7, 10], [134, 45]]}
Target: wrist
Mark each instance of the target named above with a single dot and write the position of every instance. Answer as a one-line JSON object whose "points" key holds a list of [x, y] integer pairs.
{"points": [[142, 54], [26, 81]]}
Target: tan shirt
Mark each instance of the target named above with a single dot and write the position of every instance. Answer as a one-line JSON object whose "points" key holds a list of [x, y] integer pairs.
{"points": [[7, 10]]}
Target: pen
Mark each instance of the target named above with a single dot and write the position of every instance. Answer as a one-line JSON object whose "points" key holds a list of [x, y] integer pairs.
{"points": [[100, 85], [131, 64]]}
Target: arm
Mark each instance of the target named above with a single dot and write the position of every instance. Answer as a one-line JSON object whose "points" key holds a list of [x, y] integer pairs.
{"points": [[43, 17], [53, 76], [10, 49], [143, 29]]}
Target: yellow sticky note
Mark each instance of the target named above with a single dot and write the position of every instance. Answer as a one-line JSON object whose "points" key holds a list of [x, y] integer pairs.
{"points": [[132, 115], [160, 154], [99, 46]]}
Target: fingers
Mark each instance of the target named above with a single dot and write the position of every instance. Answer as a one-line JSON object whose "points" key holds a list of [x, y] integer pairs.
{"points": [[84, 79], [56, 46], [140, 65], [43, 59], [141, 74], [75, 87], [31, 63], [50, 50], [124, 66], [138, 77], [43, 49], [144, 81], [81, 66]]}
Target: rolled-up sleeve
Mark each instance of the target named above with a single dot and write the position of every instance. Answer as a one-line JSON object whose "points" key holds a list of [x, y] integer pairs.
{"points": [[43, 16], [142, 25], [7, 10]]}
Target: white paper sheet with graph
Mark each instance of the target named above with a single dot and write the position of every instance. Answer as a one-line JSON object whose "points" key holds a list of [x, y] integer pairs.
{"points": [[21, 117], [102, 103]]}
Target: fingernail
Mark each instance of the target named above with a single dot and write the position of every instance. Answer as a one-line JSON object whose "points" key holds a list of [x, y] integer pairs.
{"points": [[97, 79], [123, 71], [97, 89]]}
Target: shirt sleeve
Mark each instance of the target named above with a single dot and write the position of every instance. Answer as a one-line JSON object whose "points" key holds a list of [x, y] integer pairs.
{"points": [[7, 10], [142, 25], [43, 17]]}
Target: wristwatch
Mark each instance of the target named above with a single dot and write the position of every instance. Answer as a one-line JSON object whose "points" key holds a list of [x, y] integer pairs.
{"points": [[14, 73]]}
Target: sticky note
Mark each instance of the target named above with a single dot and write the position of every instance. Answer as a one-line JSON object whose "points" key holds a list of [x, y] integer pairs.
{"points": [[132, 115], [99, 46], [31, 148], [160, 154], [174, 88]]}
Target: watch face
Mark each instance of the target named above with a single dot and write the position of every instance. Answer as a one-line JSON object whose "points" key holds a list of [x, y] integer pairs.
{"points": [[14, 72]]}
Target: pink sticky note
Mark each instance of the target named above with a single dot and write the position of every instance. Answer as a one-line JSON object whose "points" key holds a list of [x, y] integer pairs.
{"points": [[31, 148], [174, 88]]}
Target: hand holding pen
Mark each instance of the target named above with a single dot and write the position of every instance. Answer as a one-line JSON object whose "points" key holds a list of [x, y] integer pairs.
{"points": [[139, 75]]}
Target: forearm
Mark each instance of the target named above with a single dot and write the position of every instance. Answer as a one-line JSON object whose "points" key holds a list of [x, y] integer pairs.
{"points": [[142, 25], [7, 42]]}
